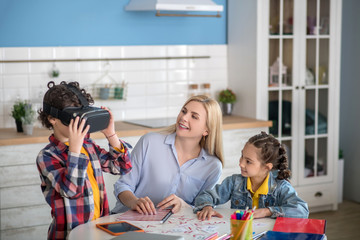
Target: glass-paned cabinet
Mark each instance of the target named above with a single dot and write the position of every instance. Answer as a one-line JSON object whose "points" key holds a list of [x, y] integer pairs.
{"points": [[297, 72], [289, 95], [280, 65]]}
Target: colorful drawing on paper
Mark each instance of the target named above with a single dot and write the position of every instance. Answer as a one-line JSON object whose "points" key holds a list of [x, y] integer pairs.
{"points": [[182, 225], [131, 215]]}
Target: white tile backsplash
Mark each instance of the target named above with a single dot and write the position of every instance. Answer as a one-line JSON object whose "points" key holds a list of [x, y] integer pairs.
{"points": [[178, 87], [135, 113], [156, 101], [177, 100], [16, 53], [112, 52], [177, 75], [15, 68], [40, 67], [89, 52], [41, 53], [1, 54], [198, 50], [136, 89], [66, 52], [159, 88], [178, 64], [156, 88], [12, 94], [177, 51], [144, 51], [65, 67], [14, 81]]}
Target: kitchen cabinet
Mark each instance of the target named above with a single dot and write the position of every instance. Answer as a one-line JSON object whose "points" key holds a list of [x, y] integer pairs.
{"points": [[284, 63]]}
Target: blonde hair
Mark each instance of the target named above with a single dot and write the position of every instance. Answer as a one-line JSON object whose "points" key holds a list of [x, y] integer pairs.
{"points": [[213, 141]]}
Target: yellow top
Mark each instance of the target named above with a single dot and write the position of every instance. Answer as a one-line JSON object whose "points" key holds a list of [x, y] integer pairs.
{"points": [[94, 185], [263, 189]]}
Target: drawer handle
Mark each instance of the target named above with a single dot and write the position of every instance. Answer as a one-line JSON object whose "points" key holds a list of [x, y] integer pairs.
{"points": [[318, 194]]}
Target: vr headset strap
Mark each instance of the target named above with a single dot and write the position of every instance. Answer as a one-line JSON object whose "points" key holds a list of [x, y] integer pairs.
{"points": [[56, 113], [79, 95]]}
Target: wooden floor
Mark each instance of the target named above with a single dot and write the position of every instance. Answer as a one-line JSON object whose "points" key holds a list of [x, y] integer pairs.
{"points": [[342, 224]]}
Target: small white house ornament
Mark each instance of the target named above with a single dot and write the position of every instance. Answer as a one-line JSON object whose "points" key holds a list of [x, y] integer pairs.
{"points": [[309, 77], [274, 74]]}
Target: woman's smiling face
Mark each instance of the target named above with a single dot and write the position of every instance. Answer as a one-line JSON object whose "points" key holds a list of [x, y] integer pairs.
{"points": [[191, 121]]}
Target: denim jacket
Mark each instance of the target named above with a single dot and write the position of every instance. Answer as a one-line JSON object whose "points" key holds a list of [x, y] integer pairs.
{"points": [[282, 199]]}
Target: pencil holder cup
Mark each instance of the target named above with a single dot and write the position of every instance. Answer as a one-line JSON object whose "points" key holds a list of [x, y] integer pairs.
{"points": [[241, 229]]}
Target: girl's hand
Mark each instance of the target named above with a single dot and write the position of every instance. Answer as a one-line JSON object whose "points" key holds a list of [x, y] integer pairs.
{"points": [[77, 134], [110, 130], [172, 200], [143, 206], [207, 212], [262, 212]]}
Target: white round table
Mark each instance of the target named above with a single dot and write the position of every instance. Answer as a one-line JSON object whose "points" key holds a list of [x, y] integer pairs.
{"points": [[184, 223]]}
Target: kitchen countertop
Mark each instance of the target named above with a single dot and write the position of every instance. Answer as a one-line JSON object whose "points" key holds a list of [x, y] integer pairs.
{"points": [[9, 136]]}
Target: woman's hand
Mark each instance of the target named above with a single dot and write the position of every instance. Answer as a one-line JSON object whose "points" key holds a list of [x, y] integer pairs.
{"points": [[172, 200], [262, 212], [143, 206], [76, 134], [207, 212]]}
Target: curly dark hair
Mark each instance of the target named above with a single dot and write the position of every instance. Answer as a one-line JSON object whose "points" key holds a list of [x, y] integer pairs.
{"points": [[272, 152], [60, 97]]}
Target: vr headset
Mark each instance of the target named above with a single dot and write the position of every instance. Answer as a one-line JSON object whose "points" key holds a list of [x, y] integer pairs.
{"points": [[97, 118]]}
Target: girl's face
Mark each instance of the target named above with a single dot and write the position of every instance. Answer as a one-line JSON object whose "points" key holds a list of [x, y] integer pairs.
{"points": [[250, 162], [191, 121]]}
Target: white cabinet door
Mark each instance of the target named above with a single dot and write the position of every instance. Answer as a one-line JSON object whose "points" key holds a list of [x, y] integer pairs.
{"points": [[319, 100]]}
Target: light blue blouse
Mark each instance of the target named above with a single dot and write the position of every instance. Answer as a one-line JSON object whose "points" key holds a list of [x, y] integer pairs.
{"points": [[157, 174]]}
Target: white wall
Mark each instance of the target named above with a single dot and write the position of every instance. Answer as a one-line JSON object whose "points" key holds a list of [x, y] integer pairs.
{"points": [[350, 98], [242, 37], [156, 88]]}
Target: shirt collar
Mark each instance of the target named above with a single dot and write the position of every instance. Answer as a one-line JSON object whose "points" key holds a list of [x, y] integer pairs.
{"points": [[170, 140], [263, 189], [61, 146]]}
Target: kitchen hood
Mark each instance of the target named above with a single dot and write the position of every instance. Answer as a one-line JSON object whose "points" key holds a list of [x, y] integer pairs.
{"points": [[176, 6]]}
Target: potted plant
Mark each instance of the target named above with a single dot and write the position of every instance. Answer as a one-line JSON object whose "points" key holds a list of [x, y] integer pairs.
{"points": [[227, 98], [28, 119], [18, 112]]}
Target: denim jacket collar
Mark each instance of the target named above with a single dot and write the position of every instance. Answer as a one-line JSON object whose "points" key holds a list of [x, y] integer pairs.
{"points": [[271, 183]]}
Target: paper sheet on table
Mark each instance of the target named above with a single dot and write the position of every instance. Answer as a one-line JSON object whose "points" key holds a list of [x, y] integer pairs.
{"points": [[131, 215]]}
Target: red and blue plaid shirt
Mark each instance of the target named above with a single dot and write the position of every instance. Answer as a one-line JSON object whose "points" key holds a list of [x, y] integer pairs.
{"points": [[67, 188]]}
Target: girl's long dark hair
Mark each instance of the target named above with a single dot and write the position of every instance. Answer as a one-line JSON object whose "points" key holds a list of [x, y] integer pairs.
{"points": [[272, 152]]}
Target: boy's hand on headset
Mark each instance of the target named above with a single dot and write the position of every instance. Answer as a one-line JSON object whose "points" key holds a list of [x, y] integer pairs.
{"points": [[110, 130], [77, 133]]}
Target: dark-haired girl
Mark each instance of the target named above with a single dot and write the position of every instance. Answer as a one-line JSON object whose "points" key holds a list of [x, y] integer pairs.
{"points": [[263, 183]]}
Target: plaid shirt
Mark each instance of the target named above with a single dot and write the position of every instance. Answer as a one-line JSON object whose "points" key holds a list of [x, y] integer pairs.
{"points": [[67, 188]]}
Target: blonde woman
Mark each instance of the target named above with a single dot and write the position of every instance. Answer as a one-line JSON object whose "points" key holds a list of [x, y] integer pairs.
{"points": [[170, 168]]}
